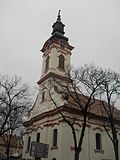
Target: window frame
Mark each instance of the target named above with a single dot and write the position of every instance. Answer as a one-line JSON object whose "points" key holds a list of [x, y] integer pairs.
{"points": [[98, 140], [43, 96], [47, 63], [61, 64], [55, 137], [28, 143], [38, 137]]}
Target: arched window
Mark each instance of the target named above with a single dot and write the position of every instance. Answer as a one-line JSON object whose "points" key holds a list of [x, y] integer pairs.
{"points": [[55, 135], [98, 141], [61, 62], [47, 63]]}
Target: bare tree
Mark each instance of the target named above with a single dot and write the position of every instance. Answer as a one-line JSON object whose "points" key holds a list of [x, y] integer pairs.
{"points": [[15, 101], [109, 98], [79, 90]]}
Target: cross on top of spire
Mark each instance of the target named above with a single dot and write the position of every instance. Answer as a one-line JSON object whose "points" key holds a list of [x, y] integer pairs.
{"points": [[59, 12], [59, 16]]}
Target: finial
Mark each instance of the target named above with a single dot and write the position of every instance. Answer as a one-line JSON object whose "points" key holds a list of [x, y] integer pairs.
{"points": [[59, 12], [59, 17]]}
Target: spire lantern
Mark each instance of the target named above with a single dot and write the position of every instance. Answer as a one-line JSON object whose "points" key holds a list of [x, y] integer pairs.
{"points": [[58, 26]]}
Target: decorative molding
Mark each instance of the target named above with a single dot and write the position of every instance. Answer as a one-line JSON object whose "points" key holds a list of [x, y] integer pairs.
{"points": [[99, 151], [50, 74], [50, 124], [87, 125], [54, 148], [97, 128], [55, 41], [58, 120], [72, 148], [38, 128]]}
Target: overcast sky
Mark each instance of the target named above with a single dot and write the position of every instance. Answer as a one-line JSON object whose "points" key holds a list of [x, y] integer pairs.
{"points": [[92, 26]]}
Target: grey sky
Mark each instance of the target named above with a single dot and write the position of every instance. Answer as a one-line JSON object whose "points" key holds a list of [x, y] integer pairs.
{"points": [[92, 26]]}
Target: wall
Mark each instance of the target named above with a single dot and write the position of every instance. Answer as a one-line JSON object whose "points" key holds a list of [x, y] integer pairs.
{"points": [[65, 148]]}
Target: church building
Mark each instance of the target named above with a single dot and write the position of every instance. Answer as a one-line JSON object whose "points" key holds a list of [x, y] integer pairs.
{"points": [[46, 125]]}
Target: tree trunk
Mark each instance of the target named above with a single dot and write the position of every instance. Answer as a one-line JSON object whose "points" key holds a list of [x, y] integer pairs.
{"points": [[79, 148], [8, 152], [116, 149], [8, 146], [115, 141], [77, 154]]}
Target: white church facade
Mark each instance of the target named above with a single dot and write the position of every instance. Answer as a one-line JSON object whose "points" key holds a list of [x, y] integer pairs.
{"points": [[45, 123]]}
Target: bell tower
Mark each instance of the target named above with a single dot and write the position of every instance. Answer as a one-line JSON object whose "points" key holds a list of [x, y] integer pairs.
{"points": [[56, 53]]}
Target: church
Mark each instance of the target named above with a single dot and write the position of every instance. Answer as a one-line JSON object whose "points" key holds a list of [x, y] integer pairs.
{"points": [[46, 125]]}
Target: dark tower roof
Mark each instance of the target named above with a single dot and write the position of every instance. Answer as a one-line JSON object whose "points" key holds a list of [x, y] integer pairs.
{"points": [[58, 29]]}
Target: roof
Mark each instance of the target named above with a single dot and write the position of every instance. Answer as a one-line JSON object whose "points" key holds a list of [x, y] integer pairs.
{"points": [[96, 108], [95, 111], [15, 141]]}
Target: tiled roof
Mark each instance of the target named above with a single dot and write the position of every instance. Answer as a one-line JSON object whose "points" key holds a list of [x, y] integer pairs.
{"points": [[71, 106], [96, 108], [15, 141]]}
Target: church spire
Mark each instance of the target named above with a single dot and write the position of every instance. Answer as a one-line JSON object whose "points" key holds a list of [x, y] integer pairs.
{"points": [[58, 28]]}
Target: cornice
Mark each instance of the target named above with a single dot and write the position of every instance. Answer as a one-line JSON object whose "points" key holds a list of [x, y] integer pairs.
{"points": [[56, 41], [50, 74], [51, 113]]}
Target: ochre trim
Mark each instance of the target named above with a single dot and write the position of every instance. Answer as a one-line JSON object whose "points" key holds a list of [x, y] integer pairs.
{"points": [[72, 148], [31, 126], [57, 41], [99, 151], [52, 113], [54, 148], [87, 125], [38, 128], [50, 74], [55, 112], [50, 124], [97, 128]]}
